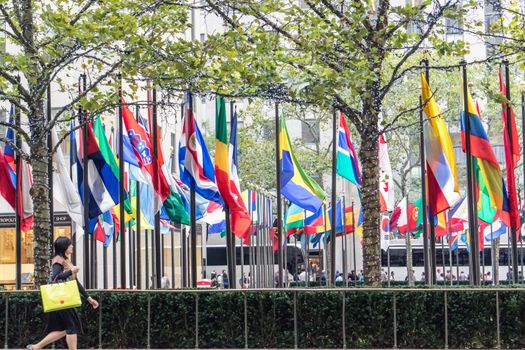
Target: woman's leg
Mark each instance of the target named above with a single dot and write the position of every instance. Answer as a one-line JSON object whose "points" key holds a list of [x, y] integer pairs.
{"points": [[71, 340], [50, 338]]}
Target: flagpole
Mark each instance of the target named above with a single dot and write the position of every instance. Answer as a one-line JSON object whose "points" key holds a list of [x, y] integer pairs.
{"points": [[509, 264], [307, 250], [138, 225], [271, 252], [333, 197], [193, 217], [157, 238], [345, 242], [331, 274], [250, 252], [153, 248], [473, 232], [121, 187], [432, 228], [73, 224], [267, 283], [257, 243], [230, 240], [444, 265], [266, 244], [131, 252], [85, 190], [115, 235], [408, 244], [94, 264], [422, 161], [285, 254], [278, 193], [183, 247], [353, 241], [229, 257], [50, 171], [18, 230], [493, 255], [261, 240], [513, 231], [521, 240], [146, 259], [449, 235], [172, 231], [105, 261]]}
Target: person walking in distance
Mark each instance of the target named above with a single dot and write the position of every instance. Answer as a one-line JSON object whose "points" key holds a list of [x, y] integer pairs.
{"points": [[64, 322]]}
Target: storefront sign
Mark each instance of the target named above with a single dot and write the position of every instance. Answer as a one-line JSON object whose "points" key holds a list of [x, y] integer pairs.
{"points": [[60, 220]]}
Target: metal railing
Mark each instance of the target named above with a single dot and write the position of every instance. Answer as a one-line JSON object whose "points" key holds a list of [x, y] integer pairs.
{"points": [[293, 295]]}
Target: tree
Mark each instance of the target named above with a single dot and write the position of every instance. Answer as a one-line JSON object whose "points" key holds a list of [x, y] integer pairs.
{"points": [[47, 42], [344, 56]]}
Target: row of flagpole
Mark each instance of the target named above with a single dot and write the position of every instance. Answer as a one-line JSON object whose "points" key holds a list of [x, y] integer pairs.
{"points": [[90, 251]]}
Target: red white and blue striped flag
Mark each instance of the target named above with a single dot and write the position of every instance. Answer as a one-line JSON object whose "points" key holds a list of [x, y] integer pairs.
{"points": [[196, 167]]}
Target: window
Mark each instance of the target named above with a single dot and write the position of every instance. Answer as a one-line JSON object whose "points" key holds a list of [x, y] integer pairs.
{"points": [[492, 15], [216, 256], [310, 131], [398, 258], [454, 26], [8, 252], [268, 131]]}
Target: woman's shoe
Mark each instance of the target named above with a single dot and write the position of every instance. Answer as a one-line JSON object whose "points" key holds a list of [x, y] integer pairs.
{"points": [[29, 347]]}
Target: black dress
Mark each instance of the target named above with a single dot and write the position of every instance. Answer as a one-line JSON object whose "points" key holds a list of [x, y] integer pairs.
{"points": [[64, 320]]}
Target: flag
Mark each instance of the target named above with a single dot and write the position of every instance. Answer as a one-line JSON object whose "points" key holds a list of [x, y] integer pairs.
{"points": [[347, 161], [64, 190], [317, 222], [385, 232], [486, 212], [196, 167], [149, 164], [107, 152], [103, 184], [453, 241], [7, 189], [442, 179], [512, 157], [339, 226], [240, 221], [419, 211], [498, 229], [294, 219], [441, 224], [404, 218], [234, 161], [24, 181], [296, 185], [480, 148], [349, 213], [458, 216], [386, 185], [97, 228], [9, 152]]}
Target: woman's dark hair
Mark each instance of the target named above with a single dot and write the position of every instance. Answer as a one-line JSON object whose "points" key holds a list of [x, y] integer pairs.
{"points": [[61, 245]]}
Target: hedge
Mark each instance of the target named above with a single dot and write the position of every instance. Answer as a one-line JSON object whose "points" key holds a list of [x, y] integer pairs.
{"points": [[167, 319]]}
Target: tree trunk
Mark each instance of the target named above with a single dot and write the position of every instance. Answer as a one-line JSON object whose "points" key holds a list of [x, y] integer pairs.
{"points": [[40, 196], [369, 154]]}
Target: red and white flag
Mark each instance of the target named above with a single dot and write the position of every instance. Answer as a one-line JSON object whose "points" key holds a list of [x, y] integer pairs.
{"points": [[386, 184]]}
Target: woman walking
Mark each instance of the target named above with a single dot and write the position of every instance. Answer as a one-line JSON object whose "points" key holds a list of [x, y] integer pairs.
{"points": [[64, 322]]}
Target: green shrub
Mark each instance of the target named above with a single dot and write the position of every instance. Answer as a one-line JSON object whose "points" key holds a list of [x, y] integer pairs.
{"points": [[124, 321]]}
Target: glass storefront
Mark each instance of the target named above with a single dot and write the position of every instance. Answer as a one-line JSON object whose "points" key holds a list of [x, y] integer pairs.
{"points": [[8, 250]]}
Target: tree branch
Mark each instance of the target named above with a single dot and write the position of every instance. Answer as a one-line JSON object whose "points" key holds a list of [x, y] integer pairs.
{"points": [[110, 71], [432, 23], [17, 34]]}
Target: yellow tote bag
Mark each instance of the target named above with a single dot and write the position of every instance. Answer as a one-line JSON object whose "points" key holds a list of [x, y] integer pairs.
{"points": [[60, 296]]}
